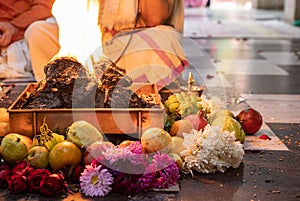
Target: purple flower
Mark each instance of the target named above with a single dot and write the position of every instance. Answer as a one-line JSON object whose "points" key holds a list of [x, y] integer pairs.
{"points": [[123, 160], [135, 147], [95, 181], [161, 173]]}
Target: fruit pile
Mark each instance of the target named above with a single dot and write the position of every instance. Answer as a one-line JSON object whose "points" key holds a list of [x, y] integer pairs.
{"points": [[4, 122], [83, 148], [185, 112], [192, 125]]}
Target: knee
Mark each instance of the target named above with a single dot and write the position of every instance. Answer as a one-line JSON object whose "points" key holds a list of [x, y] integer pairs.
{"points": [[33, 30]]}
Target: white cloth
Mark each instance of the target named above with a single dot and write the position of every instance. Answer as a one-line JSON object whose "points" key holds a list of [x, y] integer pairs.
{"points": [[15, 61]]}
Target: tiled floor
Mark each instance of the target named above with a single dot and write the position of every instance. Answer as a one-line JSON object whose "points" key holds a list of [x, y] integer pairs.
{"points": [[263, 71]]}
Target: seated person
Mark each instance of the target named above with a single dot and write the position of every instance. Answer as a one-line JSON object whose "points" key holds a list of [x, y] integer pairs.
{"points": [[15, 17], [153, 48]]}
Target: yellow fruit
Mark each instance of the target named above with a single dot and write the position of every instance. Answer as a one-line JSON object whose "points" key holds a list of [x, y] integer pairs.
{"points": [[64, 153], [82, 133], [221, 113], [125, 143], [4, 128], [14, 147], [38, 157], [155, 139], [178, 160], [230, 124], [181, 126], [176, 145], [4, 115]]}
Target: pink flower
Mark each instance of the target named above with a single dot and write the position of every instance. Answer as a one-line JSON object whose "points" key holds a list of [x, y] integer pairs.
{"points": [[96, 181]]}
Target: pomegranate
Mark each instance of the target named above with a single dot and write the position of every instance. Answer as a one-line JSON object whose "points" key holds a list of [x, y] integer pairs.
{"points": [[198, 120], [250, 119]]}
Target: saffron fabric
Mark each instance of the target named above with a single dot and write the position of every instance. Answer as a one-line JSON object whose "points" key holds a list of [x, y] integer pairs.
{"points": [[21, 13]]}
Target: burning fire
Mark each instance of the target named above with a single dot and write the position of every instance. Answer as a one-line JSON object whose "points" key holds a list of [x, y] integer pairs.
{"points": [[79, 30]]}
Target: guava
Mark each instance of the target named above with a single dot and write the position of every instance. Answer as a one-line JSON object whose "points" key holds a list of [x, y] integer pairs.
{"points": [[155, 139], [14, 147], [38, 157], [228, 123], [82, 133]]}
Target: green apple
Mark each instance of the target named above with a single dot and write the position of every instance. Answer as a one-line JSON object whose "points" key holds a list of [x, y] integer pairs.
{"points": [[14, 147], [38, 157]]}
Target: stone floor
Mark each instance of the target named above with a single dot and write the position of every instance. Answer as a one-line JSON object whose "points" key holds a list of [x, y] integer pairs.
{"points": [[263, 72]]}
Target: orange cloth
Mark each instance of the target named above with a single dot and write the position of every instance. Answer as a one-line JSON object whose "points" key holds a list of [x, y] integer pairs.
{"points": [[21, 13]]}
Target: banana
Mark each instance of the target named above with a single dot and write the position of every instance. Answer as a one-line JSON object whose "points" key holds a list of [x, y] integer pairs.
{"points": [[167, 104], [173, 107], [172, 99], [58, 137], [47, 138], [50, 143], [179, 98], [183, 94], [193, 98], [185, 105]]}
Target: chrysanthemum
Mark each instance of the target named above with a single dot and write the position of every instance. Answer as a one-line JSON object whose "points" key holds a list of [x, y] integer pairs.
{"points": [[123, 160], [161, 173], [96, 181]]}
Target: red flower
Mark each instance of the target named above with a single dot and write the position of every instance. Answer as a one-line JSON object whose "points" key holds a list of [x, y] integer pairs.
{"points": [[4, 173], [35, 178], [76, 173], [53, 185], [17, 183], [22, 169]]}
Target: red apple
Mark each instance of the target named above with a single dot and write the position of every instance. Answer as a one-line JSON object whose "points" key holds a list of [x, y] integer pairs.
{"points": [[94, 151], [198, 120], [250, 119]]}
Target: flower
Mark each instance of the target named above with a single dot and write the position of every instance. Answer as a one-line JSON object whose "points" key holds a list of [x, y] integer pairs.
{"points": [[123, 160], [17, 183], [211, 150], [135, 147], [4, 173], [35, 178], [53, 185], [22, 168], [162, 172], [75, 174], [96, 181], [126, 183]]}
